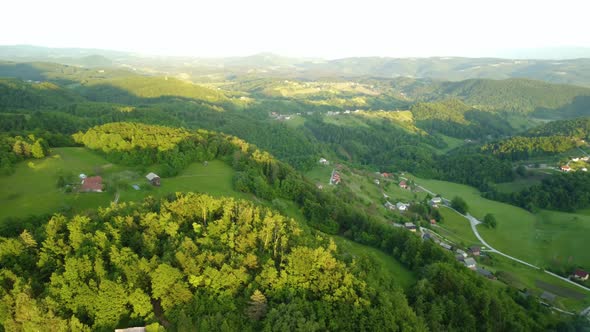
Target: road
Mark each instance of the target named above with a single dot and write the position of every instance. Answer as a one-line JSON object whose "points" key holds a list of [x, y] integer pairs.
{"points": [[474, 222]]}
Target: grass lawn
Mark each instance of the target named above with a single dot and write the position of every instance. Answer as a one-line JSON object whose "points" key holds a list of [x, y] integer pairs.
{"points": [[547, 238], [384, 264], [320, 174], [214, 179], [32, 189]]}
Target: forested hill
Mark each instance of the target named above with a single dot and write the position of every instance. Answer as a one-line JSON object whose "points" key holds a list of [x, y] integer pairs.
{"points": [[513, 95], [547, 139], [16, 94], [192, 261], [134, 89]]}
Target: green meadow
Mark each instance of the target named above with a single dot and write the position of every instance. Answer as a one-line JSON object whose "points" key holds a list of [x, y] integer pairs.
{"points": [[32, 189], [546, 239]]}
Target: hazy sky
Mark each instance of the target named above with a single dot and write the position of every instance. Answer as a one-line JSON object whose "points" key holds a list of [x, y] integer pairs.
{"points": [[316, 28]]}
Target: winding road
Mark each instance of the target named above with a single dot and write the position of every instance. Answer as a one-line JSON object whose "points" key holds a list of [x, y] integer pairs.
{"points": [[474, 222]]}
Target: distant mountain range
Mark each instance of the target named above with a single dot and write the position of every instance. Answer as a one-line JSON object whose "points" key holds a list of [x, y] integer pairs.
{"points": [[569, 71]]}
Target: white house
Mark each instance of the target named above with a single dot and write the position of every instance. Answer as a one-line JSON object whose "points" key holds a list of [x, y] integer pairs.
{"points": [[323, 161], [402, 206]]}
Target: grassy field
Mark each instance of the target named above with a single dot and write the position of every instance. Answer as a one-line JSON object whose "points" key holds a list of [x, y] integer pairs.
{"points": [[456, 228], [518, 185], [214, 179], [32, 188], [320, 174], [384, 264], [523, 277], [547, 238]]}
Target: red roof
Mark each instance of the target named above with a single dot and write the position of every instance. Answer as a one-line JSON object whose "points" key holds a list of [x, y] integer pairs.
{"points": [[93, 183], [403, 183], [581, 273]]}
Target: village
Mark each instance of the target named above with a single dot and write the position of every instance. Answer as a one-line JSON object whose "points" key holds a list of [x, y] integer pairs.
{"points": [[403, 199]]}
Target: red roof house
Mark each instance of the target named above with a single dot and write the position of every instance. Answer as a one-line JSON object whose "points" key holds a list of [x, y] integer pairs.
{"points": [[92, 184], [581, 275], [566, 168], [403, 184]]}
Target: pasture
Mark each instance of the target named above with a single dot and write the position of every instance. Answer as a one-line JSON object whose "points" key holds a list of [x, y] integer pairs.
{"points": [[33, 190]]}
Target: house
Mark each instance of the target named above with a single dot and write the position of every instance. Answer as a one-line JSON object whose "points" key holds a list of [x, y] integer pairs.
{"points": [[580, 274], [323, 161], [385, 175], [154, 179], [82, 176], [410, 226], [402, 206], [460, 258], [470, 263], [335, 179], [566, 168], [475, 250], [585, 158], [446, 246], [461, 252], [575, 159], [403, 184], [436, 200], [485, 273], [433, 221], [92, 184], [389, 206], [377, 182]]}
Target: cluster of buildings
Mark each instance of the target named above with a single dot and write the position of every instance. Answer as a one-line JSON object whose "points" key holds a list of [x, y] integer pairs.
{"points": [[567, 168]]}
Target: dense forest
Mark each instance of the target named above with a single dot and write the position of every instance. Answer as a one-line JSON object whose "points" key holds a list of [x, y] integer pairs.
{"points": [[179, 263]]}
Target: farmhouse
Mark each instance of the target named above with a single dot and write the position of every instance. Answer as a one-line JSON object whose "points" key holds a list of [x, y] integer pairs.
{"points": [[566, 168], [461, 252], [92, 184], [403, 184], [377, 182], [433, 221], [410, 226], [389, 206], [324, 161], [436, 200], [402, 206], [580, 274], [475, 250], [154, 179], [470, 263]]}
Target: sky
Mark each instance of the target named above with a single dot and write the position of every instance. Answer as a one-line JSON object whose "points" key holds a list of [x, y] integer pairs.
{"points": [[309, 28]]}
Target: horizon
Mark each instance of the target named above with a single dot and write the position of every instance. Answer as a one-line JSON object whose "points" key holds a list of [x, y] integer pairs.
{"points": [[571, 53], [326, 30]]}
